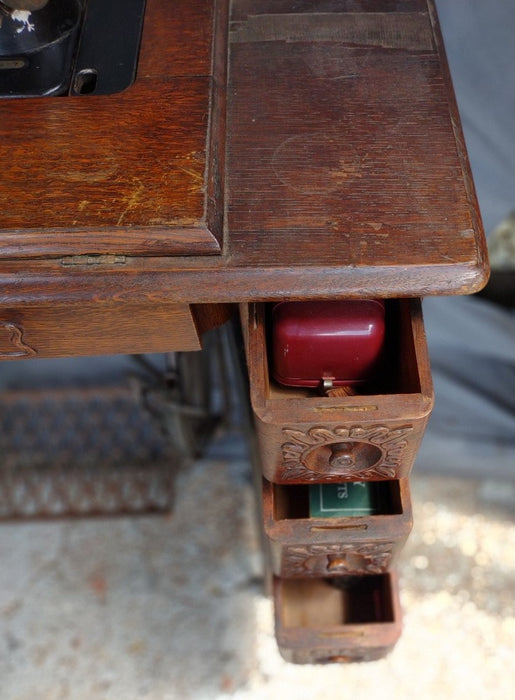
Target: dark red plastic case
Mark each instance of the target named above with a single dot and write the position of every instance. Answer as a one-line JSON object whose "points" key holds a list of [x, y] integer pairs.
{"points": [[336, 341]]}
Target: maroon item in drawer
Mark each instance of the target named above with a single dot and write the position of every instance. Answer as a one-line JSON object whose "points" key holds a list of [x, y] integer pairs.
{"points": [[338, 342]]}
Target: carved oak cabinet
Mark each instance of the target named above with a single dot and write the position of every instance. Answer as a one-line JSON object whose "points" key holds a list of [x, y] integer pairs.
{"points": [[267, 150]]}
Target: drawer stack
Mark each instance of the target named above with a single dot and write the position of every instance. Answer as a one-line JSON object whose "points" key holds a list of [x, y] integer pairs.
{"points": [[335, 591]]}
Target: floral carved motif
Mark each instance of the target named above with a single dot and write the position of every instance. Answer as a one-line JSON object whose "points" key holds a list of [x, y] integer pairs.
{"points": [[11, 341], [352, 453], [349, 558]]}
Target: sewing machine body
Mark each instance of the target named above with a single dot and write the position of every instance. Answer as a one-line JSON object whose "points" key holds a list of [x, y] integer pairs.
{"points": [[69, 47]]}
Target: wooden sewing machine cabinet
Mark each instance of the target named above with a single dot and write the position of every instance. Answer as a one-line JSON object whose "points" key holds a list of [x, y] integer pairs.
{"points": [[266, 151]]}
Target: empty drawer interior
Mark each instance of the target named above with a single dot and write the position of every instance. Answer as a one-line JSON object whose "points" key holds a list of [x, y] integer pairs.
{"points": [[318, 603]]}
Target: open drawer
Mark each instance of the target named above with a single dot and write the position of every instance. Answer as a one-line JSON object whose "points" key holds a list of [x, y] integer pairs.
{"points": [[305, 437], [353, 618], [302, 546]]}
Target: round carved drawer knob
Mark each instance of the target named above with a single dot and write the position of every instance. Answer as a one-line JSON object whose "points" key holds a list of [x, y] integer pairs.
{"points": [[348, 459], [342, 455]]}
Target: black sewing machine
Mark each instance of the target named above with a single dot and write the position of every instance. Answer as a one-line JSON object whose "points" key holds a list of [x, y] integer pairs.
{"points": [[68, 47]]}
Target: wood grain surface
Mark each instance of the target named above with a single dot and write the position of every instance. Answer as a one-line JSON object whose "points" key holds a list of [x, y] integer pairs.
{"points": [[301, 545], [316, 622], [385, 421], [342, 146], [69, 330], [344, 174], [95, 329], [125, 173]]}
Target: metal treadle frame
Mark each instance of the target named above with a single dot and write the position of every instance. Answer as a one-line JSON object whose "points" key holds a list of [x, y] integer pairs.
{"points": [[81, 451], [111, 450]]}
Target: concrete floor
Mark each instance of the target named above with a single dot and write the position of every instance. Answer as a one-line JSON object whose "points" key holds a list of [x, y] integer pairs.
{"points": [[165, 608]]}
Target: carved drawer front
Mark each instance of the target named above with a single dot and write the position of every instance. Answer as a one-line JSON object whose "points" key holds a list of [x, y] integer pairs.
{"points": [[303, 546], [103, 328], [372, 435], [337, 620]]}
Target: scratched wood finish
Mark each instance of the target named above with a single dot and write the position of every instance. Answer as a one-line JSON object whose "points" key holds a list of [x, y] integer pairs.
{"points": [[136, 172], [347, 169], [343, 148]]}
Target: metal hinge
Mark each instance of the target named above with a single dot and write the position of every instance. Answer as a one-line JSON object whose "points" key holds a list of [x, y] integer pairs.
{"points": [[94, 260]]}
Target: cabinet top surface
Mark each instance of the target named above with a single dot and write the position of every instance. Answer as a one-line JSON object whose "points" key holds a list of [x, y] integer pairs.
{"points": [[331, 163]]}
